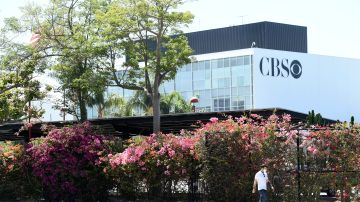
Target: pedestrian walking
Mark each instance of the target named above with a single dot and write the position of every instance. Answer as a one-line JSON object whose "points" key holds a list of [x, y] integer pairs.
{"points": [[261, 180]]}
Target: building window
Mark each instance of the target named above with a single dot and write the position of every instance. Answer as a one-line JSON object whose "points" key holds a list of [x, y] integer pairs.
{"points": [[221, 84], [201, 76], [221, 104], [246, 60], [237, 104]]}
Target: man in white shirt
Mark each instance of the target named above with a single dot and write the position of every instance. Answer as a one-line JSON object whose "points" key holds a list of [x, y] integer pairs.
{"points": [[261, 180]]}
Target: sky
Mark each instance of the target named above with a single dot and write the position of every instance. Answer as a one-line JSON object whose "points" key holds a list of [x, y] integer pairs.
{"points": [[333, 25]]}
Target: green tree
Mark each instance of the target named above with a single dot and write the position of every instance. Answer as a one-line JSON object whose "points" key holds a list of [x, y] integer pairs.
{"points": [[313, 119], [68, 28], [116, 106], [20, 68], [352, 121], [98, 100], [111, 106], [149, 32], [140, 101], [174, 103], [169, 103]]}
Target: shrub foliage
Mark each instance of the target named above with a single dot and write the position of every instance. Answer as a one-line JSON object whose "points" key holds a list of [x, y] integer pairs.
{"points": [[217, 161]]}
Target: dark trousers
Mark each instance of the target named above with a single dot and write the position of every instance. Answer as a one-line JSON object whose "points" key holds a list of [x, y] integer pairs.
{"points": [[263, 196]]}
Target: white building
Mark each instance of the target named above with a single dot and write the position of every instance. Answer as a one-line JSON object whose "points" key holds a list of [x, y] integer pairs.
{"points": [[264, 65], [258, 78]]}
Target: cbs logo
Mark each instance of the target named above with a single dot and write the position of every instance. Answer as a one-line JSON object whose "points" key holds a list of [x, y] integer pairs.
{"points": [[274, 67]]}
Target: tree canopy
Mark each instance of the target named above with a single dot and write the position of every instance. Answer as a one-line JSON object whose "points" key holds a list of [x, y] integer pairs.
{"points": [[81, 43], [150, 33], [20, 68]]}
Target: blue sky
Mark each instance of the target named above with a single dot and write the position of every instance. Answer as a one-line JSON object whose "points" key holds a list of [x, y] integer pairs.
{"points": [[333, 25]]}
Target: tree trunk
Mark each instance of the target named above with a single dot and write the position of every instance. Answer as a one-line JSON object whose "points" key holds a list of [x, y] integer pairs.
{"points": [[100, 111], [156, 110], [82, 106]]}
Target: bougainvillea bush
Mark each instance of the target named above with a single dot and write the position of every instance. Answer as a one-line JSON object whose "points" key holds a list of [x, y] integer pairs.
{"points": [[335, 154], [67, 163], [75, 164], [233, 149], [156, 163], [9, 167], [15, 179], [225, 155]]}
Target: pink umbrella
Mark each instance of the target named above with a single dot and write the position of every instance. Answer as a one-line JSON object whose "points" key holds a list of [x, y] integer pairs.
{"points": [[194, 100]]}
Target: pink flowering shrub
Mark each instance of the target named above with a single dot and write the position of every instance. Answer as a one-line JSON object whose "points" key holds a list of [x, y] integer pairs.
{"points": [[334, 151], [15, 180], [155, 162], [67, 163], [10, 155], [225, 154], [75, 164], [233, 149]]}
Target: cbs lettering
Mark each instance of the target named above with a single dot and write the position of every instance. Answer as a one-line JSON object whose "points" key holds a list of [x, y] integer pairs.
{"points": [[280, 68]]}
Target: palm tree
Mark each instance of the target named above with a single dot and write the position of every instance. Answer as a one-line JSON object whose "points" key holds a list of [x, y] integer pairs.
{"points": [[113, 106], [116, 106], [141, 102], [169, 103], [174, 103], [98, 100]]}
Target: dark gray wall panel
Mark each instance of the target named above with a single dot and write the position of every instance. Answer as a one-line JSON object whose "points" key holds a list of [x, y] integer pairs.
{"points": [[267, 35]]}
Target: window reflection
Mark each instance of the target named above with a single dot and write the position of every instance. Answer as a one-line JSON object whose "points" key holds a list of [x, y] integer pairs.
{"points": [[221, 84]]}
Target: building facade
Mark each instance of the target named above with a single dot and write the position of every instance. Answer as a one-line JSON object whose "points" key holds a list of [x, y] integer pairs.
{"points": [[264, 65], [258, 78], [223, 81]]}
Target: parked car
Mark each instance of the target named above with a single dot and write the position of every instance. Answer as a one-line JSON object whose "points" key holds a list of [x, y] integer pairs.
{"points": [[327, 192]]}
